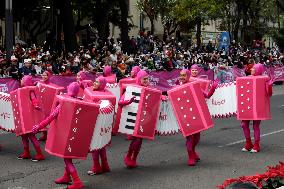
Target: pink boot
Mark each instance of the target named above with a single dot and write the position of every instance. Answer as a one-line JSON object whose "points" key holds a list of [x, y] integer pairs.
{"points": [[191, 158], [65, 179], [196, 156], [39, 156], [248, 145], [256, 147], [96, 170], [77, 184], [105, 166], [26, 154]]}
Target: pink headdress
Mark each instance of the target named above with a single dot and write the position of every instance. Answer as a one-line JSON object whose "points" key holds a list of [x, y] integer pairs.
{"points": [[135, 70], [259, 69], [194, 66], [140, 75], [27, 80], [103, 83], [107, 71], [83, 75], [73, 89], [187, 74]]}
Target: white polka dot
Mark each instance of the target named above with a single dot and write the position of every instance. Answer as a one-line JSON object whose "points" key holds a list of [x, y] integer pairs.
{"points": [[242, 94], [242, 103], [184, 116], [193, 118], [190, 109], [178, 99], [248, 107], [242, 87], [187, 101], [248, 91], [248, 99], [184, 92], [248, 83], [187, 125], [242, 110], [181, 108]]}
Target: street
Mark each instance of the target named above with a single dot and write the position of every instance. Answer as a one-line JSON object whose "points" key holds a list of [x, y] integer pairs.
{"points": [[162, 162]]}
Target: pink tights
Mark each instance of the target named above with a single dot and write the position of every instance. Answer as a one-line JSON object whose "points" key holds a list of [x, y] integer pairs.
{"points": [[192, 141], [31, 136], [100, 152], [136, 144], [256, 129], [69, 165]]}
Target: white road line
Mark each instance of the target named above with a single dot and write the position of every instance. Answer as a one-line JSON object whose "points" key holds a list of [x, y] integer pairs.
{"points": [[241, 141]]}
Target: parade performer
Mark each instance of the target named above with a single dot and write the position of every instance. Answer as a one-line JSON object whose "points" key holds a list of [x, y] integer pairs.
{"points": [[96, 94], [130, 158], [46, 80], [122, 86], [193, 140], [72, 92], [83, 82], [255, 112], [27, 135], [111, 78]]}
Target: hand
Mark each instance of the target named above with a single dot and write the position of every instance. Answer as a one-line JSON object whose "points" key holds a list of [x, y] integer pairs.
{"points": [[270, 82], [164, 98], [215, 83], [132, 99], [35, 129]]}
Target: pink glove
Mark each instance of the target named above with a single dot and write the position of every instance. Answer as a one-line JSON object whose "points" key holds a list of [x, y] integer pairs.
{"points": [[215, 83], [36, 104], [35, 129], [123, 102], [269, 87], [164, 98]]}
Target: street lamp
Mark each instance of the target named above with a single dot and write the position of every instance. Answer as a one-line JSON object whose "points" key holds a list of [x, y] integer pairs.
{"points": [[9, 34]]}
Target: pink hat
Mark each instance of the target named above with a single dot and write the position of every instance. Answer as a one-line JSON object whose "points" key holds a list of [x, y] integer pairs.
{"points": [[83, 75], [107, 71], [73, 89], [259, 69], [27, 80], [194, 66], [140, 75], [135, 70], [103, 83], [187, 73]]}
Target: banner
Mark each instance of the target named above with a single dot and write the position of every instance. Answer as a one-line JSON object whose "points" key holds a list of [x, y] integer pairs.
{"points": [[6, 113], [223, 103]]}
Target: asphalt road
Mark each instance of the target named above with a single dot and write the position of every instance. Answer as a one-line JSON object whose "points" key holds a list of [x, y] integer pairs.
{"points": [[163, 162]]}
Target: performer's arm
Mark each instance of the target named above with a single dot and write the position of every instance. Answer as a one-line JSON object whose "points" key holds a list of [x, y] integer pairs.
{"points": [[47, 120], [34, 100], [212, 90], [269, 87], [123, 102]]}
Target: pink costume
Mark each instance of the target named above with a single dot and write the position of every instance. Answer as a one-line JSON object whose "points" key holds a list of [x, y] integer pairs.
{"points": [[122, 85], [83, 82], [27, 112], [110, 78], [96, 95], [193, 140], [70, 134], [253, 103], [136, 143], [48, 92]]}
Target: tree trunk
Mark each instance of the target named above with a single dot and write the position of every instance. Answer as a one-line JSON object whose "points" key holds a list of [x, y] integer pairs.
{"points": [[68, 26], [152, 26], [198, 31], [124, 28]]}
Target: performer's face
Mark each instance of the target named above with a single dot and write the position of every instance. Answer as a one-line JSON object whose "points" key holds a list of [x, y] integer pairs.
{"points": [[96, 84], [182, 77], [252, 71], [44, 77], [145, 81], [78, 77], [194, 72]]}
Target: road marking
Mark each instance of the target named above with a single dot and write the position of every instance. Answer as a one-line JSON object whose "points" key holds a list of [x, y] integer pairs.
{"points": [[241, 141]]}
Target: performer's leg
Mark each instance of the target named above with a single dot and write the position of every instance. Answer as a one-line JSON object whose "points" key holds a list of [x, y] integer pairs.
{"points": [[96, 169], [256, 130], [127, 158], [103, 155], [190, 152], [137, 146], [65, 179], [196, 139], [246, 130], [44, 136], [39, 156], [77, 184], [26, 154]]}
